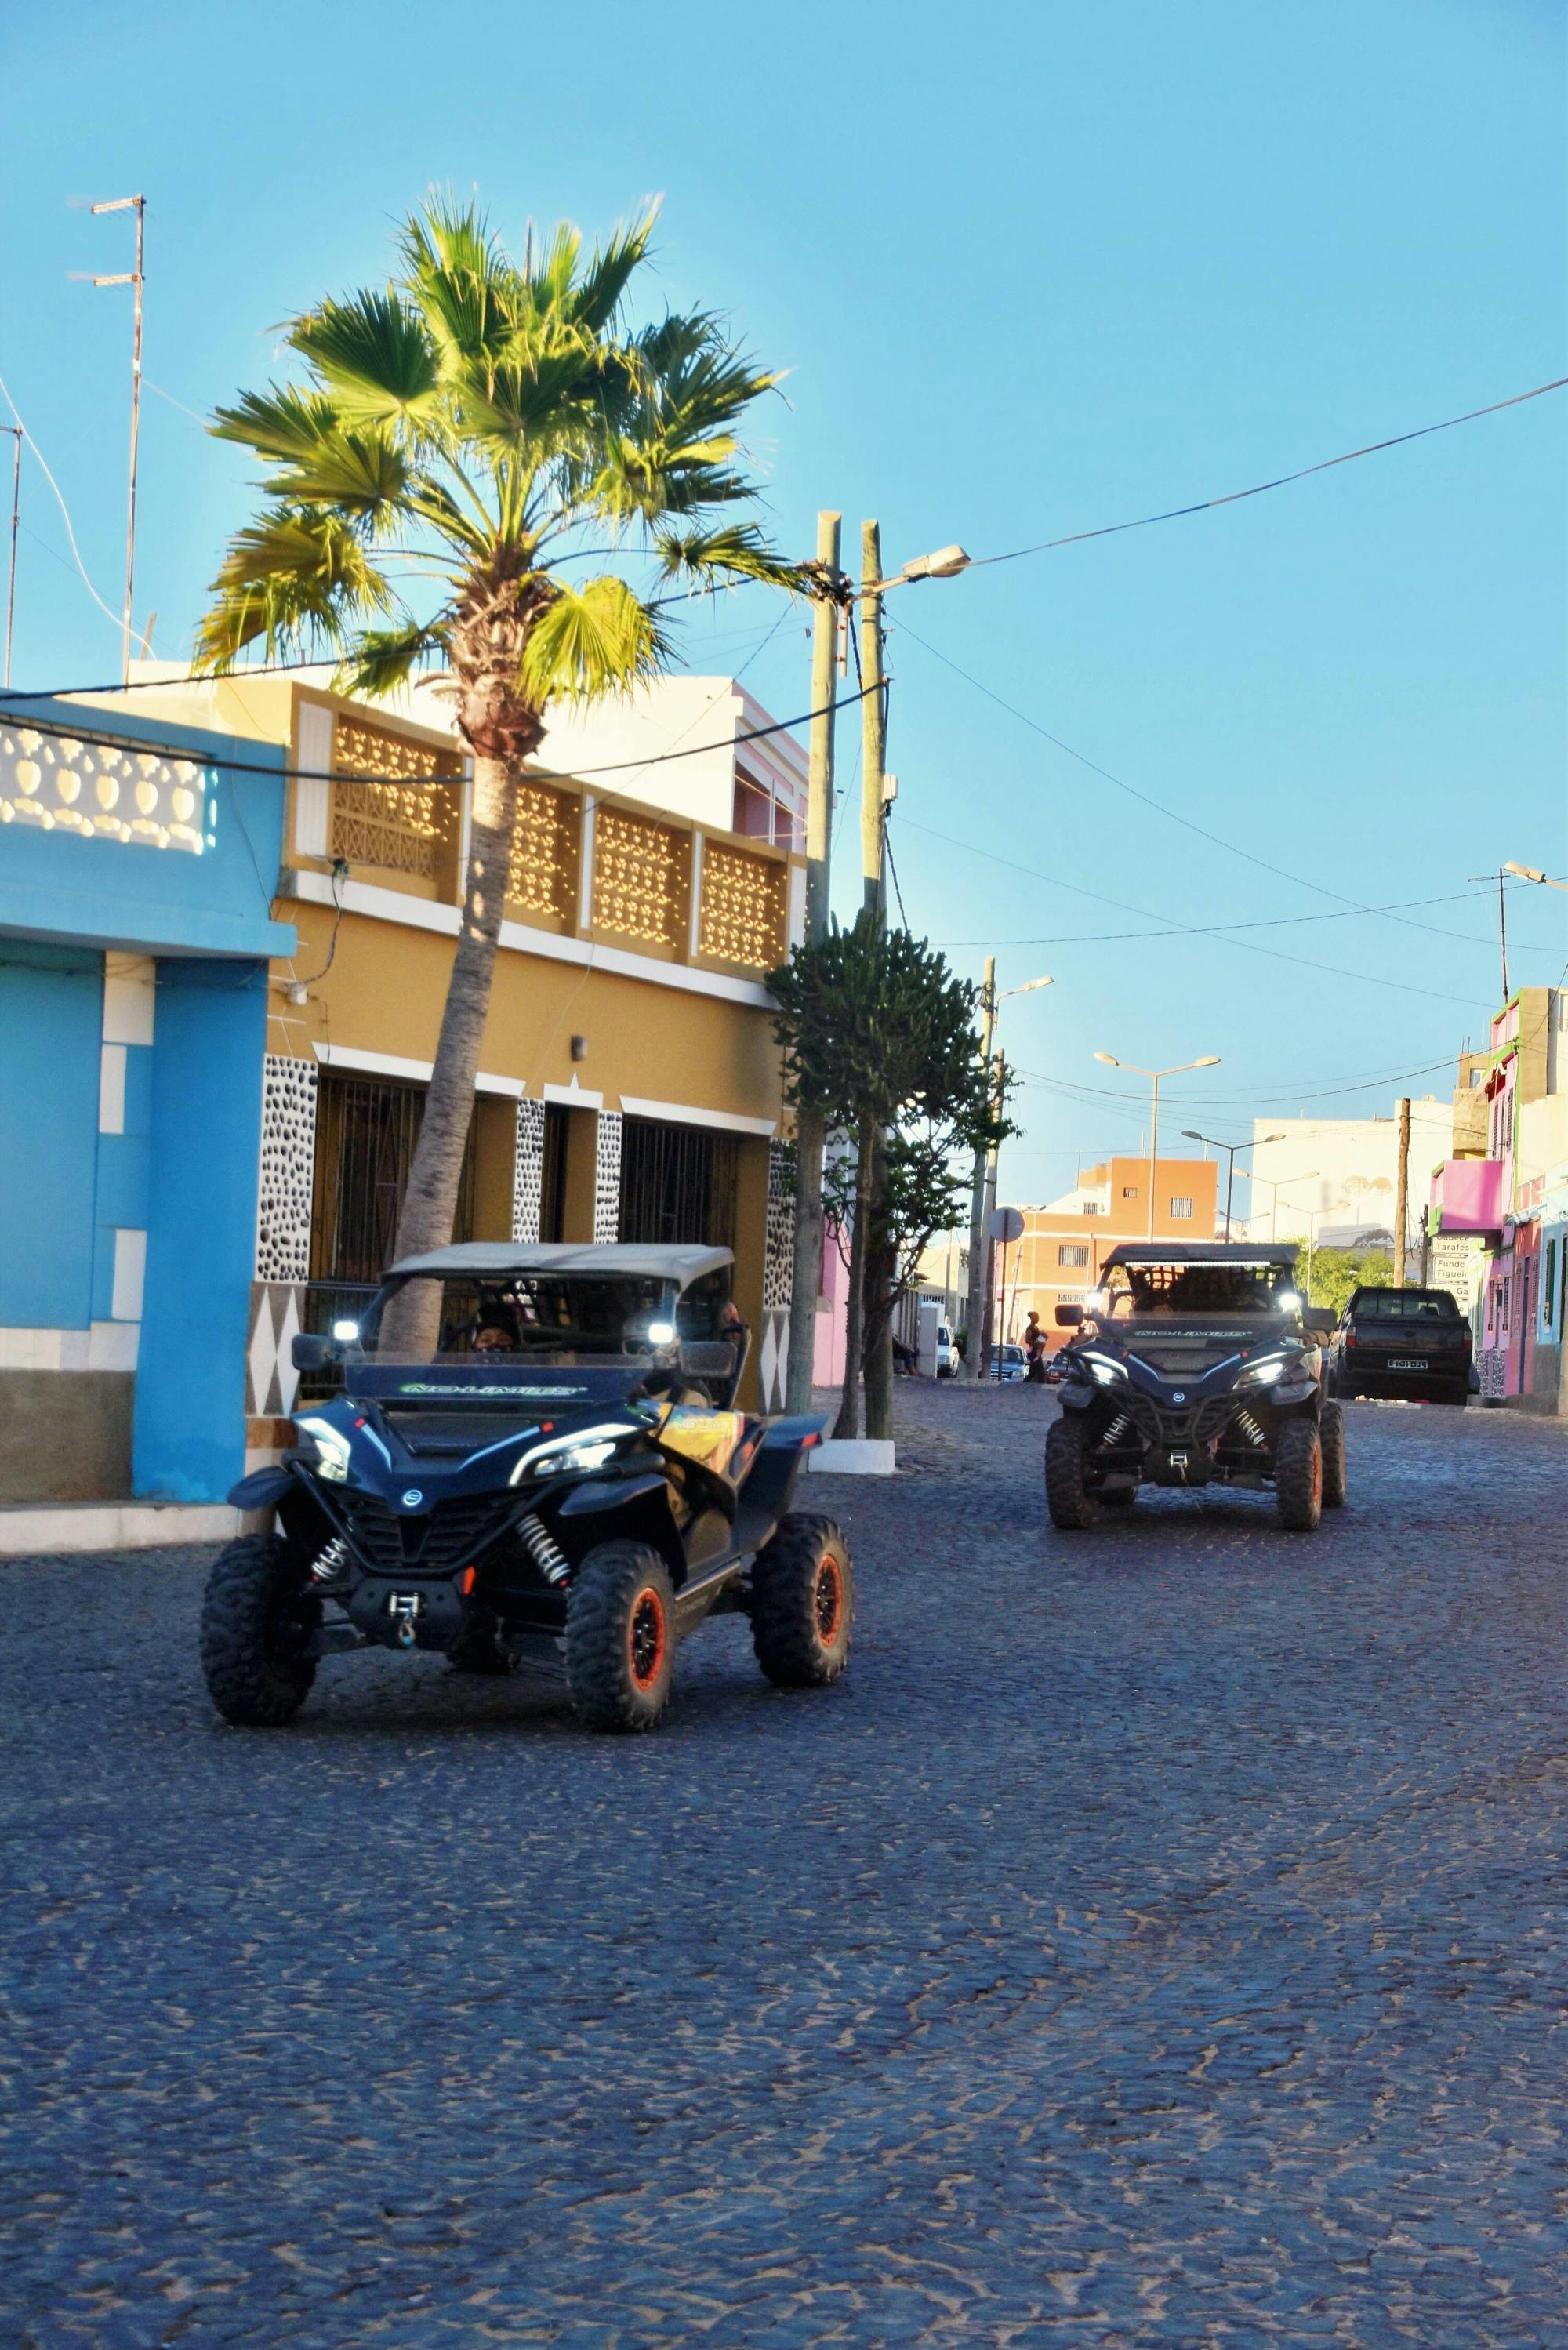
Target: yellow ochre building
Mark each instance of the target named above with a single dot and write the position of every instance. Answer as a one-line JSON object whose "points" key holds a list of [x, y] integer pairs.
{"points": [[629, 1085]]}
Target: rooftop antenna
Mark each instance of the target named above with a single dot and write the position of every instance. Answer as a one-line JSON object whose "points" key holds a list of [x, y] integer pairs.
{"points": [[133, 279]]}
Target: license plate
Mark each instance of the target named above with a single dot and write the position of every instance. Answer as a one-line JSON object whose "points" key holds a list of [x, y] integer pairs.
{"points": [[1406, 1364]]}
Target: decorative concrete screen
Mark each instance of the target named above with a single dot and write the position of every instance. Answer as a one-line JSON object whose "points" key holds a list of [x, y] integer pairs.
{"points": [[56, 784], [528, 1170], [639, 878], [405, 826], [542, 873], [742, 910]]}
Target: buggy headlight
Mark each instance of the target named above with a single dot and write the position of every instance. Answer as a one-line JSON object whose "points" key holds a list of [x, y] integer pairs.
{"points": [[1105, 1368], [330, 1448], [661, 1334], [1264, 1374], [585, 1449]]}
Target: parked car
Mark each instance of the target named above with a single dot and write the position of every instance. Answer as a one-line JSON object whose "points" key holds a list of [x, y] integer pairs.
{"points": [[1008, 1362], [1401, 1342], [1195, 1365], [536, 1453], [1057, 1367], [947, 1352]]}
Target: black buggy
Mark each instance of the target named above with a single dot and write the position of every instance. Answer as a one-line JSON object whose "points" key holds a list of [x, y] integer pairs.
{"points": [[534, 1451], [1195, 1365]]}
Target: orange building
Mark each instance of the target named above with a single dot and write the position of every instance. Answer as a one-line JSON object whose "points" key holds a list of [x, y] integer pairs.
{"points": [[1058, 1260]]}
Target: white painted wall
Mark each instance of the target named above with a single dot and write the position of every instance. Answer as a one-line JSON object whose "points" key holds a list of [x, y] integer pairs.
{"points": [[1357, 1164]]}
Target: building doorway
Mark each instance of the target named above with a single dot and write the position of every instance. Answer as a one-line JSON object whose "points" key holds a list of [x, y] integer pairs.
{"points": [[676, 1184]]}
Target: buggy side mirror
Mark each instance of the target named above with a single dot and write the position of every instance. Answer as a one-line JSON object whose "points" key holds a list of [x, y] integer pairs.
{"points": [[310, 1352], [1069, 1317]]}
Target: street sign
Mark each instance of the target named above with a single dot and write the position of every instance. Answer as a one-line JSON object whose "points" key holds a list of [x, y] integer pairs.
{"points": [[1006, 1224]]}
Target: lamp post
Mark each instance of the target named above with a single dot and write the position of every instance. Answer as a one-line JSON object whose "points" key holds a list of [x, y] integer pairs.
{"points": [[1190, 1134], [878, 788], [1274, 1190], [979, 1245], [1204, 1061]]}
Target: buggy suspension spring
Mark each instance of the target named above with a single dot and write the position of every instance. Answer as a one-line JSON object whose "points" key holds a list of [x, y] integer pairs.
{"points": [[333, 1559], [544, 1551], [1251, 1431], [1115, 1433]]}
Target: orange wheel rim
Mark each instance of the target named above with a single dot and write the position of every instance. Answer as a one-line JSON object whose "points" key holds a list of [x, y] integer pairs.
{"points": [[829, 1601], [646, 1638]]}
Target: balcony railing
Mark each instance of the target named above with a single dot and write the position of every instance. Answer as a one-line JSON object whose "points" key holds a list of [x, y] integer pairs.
{"points": [[582, 864]]}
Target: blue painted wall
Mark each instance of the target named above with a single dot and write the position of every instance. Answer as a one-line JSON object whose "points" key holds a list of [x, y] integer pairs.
{"points": [[51, 1019], [59, 885], [204, 1158]]}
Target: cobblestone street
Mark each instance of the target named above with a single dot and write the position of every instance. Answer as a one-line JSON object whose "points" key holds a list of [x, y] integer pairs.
{"points": [[1155, 1940]]}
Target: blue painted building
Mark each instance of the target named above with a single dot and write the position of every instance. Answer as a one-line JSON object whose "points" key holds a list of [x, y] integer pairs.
{"points": [[138, 863]]}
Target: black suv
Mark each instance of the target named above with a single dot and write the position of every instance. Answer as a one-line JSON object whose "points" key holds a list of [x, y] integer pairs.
{"points": [[1195, 1365], [533, 1452]]}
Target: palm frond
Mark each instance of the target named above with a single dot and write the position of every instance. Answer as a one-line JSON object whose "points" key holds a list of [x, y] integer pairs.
{"points": [[278, 423], [297, 575], [363, 473], [732, 550], [468, 295], [381, 660], [373, 353], [598, 296], [599, 637]]}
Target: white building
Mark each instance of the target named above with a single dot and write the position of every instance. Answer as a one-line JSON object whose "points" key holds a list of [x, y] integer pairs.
{"points": [[1335, 1180]]}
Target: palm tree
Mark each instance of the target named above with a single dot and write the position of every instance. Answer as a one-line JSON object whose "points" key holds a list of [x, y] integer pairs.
{"points": [[477, 425]]}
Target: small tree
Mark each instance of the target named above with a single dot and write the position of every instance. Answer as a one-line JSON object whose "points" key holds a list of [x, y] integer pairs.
{"points": [[877, 1035], [1335, 1272], [462, 431]]}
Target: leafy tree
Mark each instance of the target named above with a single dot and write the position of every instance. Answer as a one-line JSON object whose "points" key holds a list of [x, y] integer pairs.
{"points": [[463, 432], [1336, 1272], [877, 1035]]}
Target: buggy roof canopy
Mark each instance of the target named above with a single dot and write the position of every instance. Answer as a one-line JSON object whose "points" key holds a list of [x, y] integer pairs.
{"points": [[609, 1261], [1240, 1252]]}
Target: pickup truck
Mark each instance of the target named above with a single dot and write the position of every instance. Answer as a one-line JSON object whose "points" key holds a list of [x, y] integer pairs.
{"points": [[1401, 1342]]}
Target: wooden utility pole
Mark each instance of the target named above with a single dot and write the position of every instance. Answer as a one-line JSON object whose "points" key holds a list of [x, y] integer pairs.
{"points": [[977, 1244], [873, 720], [998, 1090], [1402, 1195], [810, 1132]]}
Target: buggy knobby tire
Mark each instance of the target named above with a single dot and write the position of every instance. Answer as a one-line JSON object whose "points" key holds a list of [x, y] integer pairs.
{"points": [[620, 1637], [1067, 1495], [1331, 1436], [1298, 1476], [256, 1616], [802, 1603]]}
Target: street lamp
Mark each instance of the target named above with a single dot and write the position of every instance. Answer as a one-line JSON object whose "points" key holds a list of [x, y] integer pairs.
{"points": [[1190, 1134], [1204, 1061], [982, 1191], [1274, 1189]]}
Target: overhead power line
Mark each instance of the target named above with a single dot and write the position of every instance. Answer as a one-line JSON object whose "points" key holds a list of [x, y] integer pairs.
{"points": [[1280, 481], [331, 776], [1174, 931], [1216, 839], [1258, 923], [1069, 1087]]}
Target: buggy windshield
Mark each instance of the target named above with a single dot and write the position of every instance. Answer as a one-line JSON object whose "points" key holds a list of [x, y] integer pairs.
{"points": [[500, 1321], [1149, 1292]]}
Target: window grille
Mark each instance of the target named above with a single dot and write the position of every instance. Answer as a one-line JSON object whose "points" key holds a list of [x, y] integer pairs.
{"points": [[1071, 1253], [1180, 1210], [1129, 1190], [366, 1130], [676, 1184]]}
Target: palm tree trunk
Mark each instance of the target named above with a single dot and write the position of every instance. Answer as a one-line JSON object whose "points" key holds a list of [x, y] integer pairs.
{"points": [[411, 1325], [848, 1420]]}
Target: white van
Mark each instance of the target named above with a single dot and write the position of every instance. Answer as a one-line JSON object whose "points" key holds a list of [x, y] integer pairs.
{"points": [[947, 1353]]}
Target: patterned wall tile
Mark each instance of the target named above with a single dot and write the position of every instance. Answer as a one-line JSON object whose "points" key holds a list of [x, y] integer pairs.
{"points": [[272, 1382], [287, 1168], [778, 1253], [606, 1178], [528, 1170]]}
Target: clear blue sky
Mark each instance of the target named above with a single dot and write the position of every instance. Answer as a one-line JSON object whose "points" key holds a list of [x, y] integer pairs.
{"points": [[1032, 269]]}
